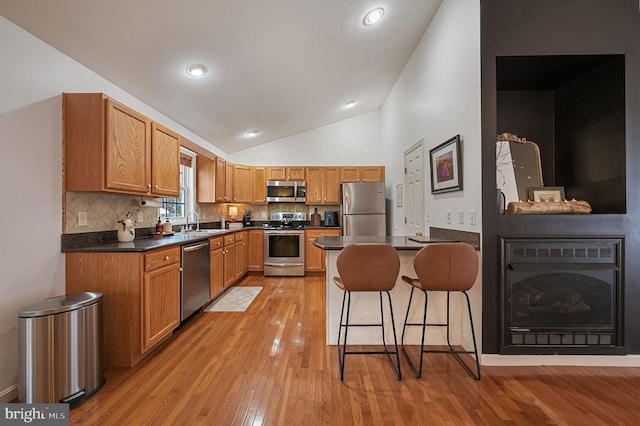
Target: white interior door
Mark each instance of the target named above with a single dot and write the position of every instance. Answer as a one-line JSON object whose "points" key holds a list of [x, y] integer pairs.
{"points": [[414, 190]]}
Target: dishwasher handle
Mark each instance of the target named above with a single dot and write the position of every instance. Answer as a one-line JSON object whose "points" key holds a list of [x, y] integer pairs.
{"points": [[195, 247]]}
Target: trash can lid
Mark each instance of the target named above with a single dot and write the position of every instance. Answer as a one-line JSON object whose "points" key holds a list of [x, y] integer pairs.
{"points": [[59, 304]]}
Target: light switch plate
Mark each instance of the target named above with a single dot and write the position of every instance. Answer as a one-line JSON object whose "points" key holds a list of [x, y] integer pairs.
{"points": [[472, 217], [461, 217], [449, 214], [82, 218]]}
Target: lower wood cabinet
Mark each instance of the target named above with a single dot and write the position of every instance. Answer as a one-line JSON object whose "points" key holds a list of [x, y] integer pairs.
{"points": [[141, 304], [241, 254], [256, 250], [216, 267], [229, 260], [313, 256]]}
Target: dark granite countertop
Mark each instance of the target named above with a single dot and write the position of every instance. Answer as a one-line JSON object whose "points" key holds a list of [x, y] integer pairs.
{"points": [[147, 243], [398, 242]]}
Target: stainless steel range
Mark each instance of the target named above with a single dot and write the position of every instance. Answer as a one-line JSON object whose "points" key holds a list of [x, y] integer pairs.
{"points": [[284, 244]]}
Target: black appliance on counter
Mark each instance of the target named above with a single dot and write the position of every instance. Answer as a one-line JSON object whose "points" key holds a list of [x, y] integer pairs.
{"points": [[246, 220], [330, 219]]}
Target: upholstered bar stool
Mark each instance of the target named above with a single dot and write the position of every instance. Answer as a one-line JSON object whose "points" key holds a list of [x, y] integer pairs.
{"points": [[450, 267], [367, 268]]}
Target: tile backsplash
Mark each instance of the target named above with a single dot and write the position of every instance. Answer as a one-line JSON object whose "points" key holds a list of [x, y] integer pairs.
{"points": [[104, 210]]}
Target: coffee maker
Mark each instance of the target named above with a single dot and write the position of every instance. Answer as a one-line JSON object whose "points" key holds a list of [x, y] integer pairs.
{"points": [[246, 220]]}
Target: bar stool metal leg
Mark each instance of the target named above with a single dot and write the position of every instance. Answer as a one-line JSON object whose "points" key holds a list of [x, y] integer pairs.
{"points": [[344, 323]]}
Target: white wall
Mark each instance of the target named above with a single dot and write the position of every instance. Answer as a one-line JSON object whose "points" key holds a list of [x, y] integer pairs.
{"points": [[32, 77], [355, 141]]}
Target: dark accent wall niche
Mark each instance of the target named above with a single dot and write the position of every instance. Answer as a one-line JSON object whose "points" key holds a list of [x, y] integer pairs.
{"points": [[568, 28], [573, 107]]}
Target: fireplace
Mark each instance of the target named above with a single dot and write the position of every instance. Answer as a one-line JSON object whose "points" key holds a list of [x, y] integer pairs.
{"points": [[562, 295]]}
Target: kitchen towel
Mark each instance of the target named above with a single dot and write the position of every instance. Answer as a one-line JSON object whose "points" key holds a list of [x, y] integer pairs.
{"points": [[236, 299]]}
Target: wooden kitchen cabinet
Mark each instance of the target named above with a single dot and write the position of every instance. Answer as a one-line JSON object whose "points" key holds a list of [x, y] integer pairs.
{"points": [[285, 173], [314, 258], [109, 147], [221, 177], [259, 184], [205, 180], [323, 185], [255, 246], [228, 182], [141, 304], [241, 254], [242, 184], [160, 296], [362, 174], [229, 260], [216, 267]]}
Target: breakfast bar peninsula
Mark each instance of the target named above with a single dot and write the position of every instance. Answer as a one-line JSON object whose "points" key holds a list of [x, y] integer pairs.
{"points": [[365, 307]]}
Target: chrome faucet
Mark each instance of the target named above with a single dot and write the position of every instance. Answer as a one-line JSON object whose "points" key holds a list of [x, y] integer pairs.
{"points": [[197, 221]]}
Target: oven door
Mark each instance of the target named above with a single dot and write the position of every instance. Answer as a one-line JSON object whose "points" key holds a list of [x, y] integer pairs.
{"points": [[284, 253]]}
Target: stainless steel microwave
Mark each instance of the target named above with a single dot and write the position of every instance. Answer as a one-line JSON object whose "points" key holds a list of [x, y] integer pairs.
{"points": [[286, 191]]}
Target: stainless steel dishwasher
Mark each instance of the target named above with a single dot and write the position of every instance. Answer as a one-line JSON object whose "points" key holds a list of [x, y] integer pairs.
{"points": [[194, 278]]}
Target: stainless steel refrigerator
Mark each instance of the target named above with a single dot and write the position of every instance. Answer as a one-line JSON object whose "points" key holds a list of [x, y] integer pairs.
{"points": [[363, 209]]}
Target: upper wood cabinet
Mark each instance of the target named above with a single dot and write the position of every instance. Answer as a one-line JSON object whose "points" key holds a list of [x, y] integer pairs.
{"points": [[242, 184], [205, 180], [259, 184], [228, 182], [323, 185], [221, 175], [165, 162], [112, 148], [285, 173], [362, 174]]}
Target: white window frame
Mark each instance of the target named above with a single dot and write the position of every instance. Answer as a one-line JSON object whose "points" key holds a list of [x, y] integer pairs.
{"points": [[188, 186]]}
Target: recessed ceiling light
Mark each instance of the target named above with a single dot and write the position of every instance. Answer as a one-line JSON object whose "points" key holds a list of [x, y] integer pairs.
{"points": [[252, 133], [350, 104], [196, 70], [373, 16]]}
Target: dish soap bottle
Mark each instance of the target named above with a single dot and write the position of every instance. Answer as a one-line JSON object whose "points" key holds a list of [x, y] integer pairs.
{"points": [[159, 227]]}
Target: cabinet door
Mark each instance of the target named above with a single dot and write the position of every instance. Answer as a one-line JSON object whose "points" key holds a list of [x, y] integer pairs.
{"points": [[372, 174], [228, 257], [313, 256], [241, 259], [221, 170], [295, 173], [127, 149], [331, 185], [228, 182], [216, 273], [160, 304], [276, 173], [205, 180], [241, 184], [259, 185], [350, 174], [255, 246], [165, 162], [314, 185]]}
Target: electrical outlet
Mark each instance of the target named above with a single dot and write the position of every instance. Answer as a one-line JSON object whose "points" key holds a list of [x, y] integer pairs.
{"points": [[449, 214], [140, 217], [82, 218], [472, 217], [461, 217]]}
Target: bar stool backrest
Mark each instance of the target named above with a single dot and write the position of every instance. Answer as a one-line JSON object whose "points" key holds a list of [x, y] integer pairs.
{"points": [[446, 266], [368, 267]]}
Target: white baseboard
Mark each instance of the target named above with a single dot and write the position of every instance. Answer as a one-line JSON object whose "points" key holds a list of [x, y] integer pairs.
{"points": [[9, 394], [561, 360]]}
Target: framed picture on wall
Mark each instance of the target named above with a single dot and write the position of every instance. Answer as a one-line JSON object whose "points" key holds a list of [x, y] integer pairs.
{"points": [[446, 166]]}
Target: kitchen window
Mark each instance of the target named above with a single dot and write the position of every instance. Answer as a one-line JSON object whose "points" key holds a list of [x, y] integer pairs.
{"points": [[176, 209]]}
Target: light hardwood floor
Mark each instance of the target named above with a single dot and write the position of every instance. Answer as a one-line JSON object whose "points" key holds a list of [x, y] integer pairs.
{"points": [[269, 365]]}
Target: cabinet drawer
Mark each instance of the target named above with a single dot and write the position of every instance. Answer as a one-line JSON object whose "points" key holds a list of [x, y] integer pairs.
{"points": [[316, 233], [239, 236], [215, 243], [160, 258], [229, 239]]}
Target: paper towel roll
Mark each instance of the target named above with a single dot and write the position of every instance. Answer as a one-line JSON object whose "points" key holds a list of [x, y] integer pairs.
{"points": [[148, 203]]}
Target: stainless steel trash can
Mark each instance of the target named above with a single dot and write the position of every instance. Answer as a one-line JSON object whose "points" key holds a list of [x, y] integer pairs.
{"points": [[60, 349]]}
